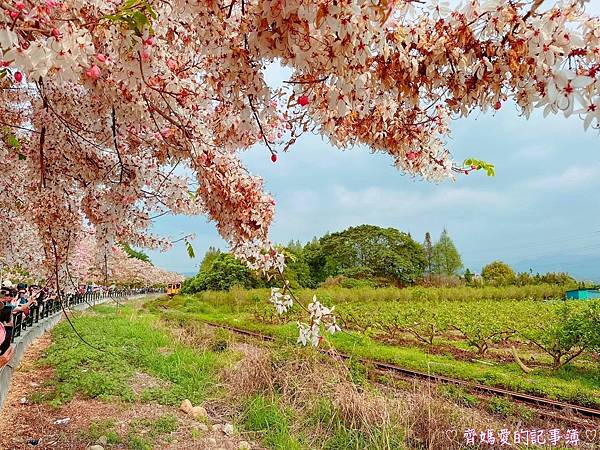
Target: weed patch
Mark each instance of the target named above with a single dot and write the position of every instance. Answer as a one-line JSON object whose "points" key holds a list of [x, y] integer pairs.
{"points": [[129, 343]]}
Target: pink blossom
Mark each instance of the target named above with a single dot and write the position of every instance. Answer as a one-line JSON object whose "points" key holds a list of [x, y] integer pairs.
{"points": [[303, 100], [93, 72], [145, 54]]}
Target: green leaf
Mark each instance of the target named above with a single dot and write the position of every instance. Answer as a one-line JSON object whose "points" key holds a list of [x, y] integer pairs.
{"points": [[132, 253], [478, 164], [11, 139], [22, 157], [129, 4], [140, 21], [190, 249], [135, 15]]}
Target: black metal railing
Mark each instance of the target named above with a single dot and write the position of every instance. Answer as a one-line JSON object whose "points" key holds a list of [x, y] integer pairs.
{"points": [[50, 307]]}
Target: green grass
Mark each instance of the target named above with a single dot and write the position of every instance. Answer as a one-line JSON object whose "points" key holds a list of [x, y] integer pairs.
{"points": [[142, 434], [128, 342], [458, 395], [264, 416], [167, 423], [500, 406], [571, 383], [133, 340], [104, 427], [138, 443]]}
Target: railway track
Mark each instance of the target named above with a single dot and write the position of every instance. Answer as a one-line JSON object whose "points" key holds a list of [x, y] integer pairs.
{"points": [[574, 413]]}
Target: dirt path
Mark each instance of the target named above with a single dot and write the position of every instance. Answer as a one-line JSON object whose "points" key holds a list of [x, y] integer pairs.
{"points": [[89, 423]]}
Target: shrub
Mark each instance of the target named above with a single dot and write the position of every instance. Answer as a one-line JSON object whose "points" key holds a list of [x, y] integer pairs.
{"points": [[351, 283], [498, 273]]}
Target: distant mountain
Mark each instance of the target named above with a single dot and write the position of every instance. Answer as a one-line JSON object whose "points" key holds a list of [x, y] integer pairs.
{"points": [[189, 274], [582, 267]]}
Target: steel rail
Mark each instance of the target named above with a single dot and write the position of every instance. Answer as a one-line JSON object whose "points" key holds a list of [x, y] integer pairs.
{"points": [[568, 408]]}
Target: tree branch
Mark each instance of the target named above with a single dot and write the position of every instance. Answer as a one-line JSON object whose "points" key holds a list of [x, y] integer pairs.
{"points": [[114, 133], [262, 132]]}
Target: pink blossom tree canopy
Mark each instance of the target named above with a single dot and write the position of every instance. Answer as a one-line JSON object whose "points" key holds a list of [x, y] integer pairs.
{"points": [[105, 102]]}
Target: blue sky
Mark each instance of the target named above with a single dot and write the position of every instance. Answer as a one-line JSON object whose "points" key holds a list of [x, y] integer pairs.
{"points": [[539, 212]]}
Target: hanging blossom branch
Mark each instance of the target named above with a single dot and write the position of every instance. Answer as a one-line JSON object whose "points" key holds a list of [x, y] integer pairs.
{"points": [[320, 317]]}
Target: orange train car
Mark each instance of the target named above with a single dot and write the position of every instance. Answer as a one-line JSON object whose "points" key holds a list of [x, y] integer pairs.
{"points": [[173, 289]]}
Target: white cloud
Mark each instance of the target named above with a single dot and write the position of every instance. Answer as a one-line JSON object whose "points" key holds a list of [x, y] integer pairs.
{"points": [[571, 178], [393, 201]]}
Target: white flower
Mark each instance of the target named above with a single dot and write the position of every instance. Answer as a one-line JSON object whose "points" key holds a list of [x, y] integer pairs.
{"points": [[590, 112], [309, 334], [315, 334], [564, 88], [333, 328], [281, 301], [304, 335], [8, 38]]}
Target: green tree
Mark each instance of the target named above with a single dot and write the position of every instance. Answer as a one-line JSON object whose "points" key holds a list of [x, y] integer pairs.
{"points": [[386, 252], [591, 327], [132, 253], [498, 273], [558, 278], [295, 246], [445, 257], [221, 272], [468, 276], [524, 278], [209, 257], [428, 250], [563, 333], [297, 270], [316, 261]]}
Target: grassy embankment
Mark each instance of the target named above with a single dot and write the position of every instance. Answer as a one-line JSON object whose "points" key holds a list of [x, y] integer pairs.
{"points": [[133, 341]]}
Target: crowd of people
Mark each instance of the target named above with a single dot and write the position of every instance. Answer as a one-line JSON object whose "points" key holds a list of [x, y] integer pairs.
{"points": [[22, 305], [19, 300]]}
